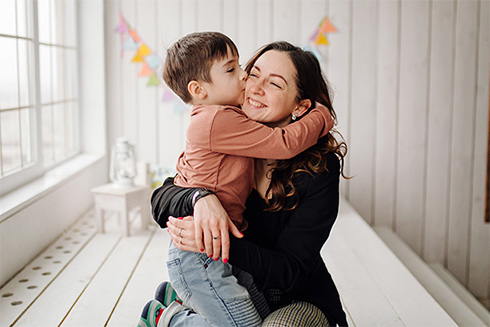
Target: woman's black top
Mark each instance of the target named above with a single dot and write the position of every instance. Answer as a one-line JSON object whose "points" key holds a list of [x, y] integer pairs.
{"points": [[280, 249]]}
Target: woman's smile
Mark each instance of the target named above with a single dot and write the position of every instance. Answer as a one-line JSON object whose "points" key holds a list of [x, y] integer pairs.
{"points": [[256, 103]]}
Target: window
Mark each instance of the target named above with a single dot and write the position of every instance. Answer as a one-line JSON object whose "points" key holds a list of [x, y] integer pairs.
{"points": [[38, 88]]}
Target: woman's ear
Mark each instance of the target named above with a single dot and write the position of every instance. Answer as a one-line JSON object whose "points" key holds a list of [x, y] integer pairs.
{"points": [[302, 107], [196, 90]]}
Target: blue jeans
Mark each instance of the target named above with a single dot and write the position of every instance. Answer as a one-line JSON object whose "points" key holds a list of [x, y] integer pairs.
{"points": [[214, 290]]}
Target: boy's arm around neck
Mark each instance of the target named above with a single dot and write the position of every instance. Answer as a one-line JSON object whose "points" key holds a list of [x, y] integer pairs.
{"points": [[230, 131]]}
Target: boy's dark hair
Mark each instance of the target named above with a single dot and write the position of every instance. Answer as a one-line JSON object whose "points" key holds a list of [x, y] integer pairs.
{"points": [[191, 57]]}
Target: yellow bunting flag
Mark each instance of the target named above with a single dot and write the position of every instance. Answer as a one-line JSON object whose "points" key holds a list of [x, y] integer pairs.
{"points": [[142, 52], [321, 39]]}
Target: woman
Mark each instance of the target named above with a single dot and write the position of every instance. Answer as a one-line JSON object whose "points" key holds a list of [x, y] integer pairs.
{"points": [[295, 202]]}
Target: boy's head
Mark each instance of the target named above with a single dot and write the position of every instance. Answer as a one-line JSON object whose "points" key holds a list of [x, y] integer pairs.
{"points": [[199, 65]]}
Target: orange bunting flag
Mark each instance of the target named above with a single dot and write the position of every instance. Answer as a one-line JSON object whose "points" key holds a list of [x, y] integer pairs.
{"points": [[327, 27], [145, 70], [134, 35]]}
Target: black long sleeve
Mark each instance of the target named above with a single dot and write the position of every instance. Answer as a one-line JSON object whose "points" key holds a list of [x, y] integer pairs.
{"points": [[288, 264], [171, 200]]}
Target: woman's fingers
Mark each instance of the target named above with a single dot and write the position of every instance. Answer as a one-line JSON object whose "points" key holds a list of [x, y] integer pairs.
{"points": [[182, 233]]}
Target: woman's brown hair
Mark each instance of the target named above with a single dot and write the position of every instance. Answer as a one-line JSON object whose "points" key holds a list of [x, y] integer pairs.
{"points": [[312, 85]]}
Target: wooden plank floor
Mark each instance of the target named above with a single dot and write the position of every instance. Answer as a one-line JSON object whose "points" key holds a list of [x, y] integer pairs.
{"points": [[89, 279]]}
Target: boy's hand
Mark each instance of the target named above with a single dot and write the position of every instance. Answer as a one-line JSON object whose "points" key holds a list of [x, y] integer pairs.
{"points": [[212, 226]]}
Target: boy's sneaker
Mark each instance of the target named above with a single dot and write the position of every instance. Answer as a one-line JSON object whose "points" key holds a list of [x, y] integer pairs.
{"points": [[151, 314], [165, 294]]}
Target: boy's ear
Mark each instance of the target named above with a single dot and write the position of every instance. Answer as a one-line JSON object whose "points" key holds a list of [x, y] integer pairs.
{"points": [[302, 107], [196, 90]]}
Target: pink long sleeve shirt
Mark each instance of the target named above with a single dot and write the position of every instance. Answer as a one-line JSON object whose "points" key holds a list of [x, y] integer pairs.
{"points": [[222, 143]]}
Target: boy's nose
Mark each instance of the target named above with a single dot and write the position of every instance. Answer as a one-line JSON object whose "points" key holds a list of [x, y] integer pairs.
{"points": [[244, 75]]}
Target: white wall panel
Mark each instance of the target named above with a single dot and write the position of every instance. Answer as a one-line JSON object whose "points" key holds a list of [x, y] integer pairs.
{"points": [[411, 159], [147, 100], [129, 73], [462, 137], [171, 125], [362, 120], [264, 22], [247, 29], [439, 130], [209, 15], [339, 68], [386, 114], [285, 16]]}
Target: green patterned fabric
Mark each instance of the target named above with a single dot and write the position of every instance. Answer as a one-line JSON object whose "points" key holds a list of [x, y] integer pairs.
{"points": [[298, 314]]}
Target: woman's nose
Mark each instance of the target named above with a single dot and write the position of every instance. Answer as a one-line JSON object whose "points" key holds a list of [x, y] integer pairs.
{"points": [[256, 87]]}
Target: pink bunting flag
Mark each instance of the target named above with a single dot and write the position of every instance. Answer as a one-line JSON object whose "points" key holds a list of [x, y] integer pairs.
{"points": [[122, 28], [167, 95]]}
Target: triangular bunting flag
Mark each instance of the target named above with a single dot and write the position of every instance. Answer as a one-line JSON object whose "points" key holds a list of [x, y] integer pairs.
{"points": [[145, 70], [143, 51], [321, 39], [122, 28], [137, 58], [327, 27], [314, 35], [153, 60], [153, 80], [129, 44], [167, 95], [134, 35]]}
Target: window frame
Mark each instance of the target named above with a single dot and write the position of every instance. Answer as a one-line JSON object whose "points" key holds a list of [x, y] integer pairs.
{"points": [[39, 166]]}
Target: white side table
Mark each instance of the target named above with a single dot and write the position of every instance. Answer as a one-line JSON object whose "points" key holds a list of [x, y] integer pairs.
{"points": [[122, 200]]}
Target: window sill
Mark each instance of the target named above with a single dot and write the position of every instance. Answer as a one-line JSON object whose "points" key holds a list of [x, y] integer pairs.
{"points": [[18, 199]]}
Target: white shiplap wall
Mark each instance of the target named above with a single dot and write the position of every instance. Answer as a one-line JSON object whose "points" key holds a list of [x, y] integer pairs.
{"points": [[410, 81]]}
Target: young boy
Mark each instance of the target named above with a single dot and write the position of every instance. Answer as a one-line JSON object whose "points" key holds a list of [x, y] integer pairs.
{"points": [[222, 142]]}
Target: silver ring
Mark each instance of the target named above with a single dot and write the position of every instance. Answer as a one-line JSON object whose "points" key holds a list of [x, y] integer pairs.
{"points": [[180, 232], [217, 237]]}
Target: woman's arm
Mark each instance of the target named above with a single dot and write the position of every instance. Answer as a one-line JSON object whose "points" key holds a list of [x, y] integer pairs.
{"points": [[288, 265]]}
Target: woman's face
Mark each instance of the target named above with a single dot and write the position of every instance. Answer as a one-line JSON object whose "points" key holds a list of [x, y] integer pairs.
{"points": [[271, 92]]}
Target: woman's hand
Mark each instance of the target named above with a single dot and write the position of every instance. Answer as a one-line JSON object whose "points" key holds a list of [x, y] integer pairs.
{"points": [[182, 233], [212, 226]]}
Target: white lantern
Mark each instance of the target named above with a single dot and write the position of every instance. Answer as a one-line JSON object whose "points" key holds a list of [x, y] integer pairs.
{"points": [[123, 163]]}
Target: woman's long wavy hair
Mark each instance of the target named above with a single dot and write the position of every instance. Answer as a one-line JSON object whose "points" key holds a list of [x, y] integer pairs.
{"points": [[312, 85]]}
